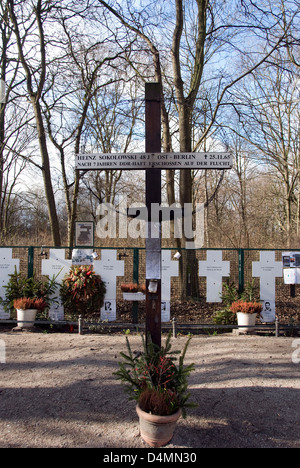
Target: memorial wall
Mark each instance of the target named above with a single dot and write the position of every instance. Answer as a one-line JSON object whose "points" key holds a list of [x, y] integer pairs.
{"points": [[214, 268]]}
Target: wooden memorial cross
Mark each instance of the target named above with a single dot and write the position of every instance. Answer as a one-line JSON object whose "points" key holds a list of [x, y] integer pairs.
{"points": [[153, 161], [153, 195]]}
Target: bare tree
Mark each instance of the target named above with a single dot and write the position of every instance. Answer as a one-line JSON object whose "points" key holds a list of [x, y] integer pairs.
{"points": [[290, 27], [196, 25], [15, 132], [90, 71], [24, 18], [270, 111], [184, 45]]}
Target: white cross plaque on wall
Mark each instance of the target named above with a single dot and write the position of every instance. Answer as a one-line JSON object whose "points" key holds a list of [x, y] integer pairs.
{"points": [[267, 270], [57, 266], [7, 267], [109, 268], [214, 268], [169, 268]]}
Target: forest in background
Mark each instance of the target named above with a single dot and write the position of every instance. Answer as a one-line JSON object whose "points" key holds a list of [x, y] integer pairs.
{"points": [[72, 80]]}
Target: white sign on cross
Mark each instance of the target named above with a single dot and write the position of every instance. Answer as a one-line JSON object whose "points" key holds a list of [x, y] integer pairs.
{"points": [[169, 268], [267, 269], [7, 267], [56, 266], [129, 161], [214, 268], [109, 268]]}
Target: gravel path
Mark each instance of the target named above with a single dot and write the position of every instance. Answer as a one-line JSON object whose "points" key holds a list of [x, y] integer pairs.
{"points": [[58, 390]]}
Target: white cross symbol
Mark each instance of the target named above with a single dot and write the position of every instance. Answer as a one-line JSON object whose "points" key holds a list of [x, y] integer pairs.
{"points": [[56, 266], [109, 268], [7, 267], [267, 269], [214, 268]]}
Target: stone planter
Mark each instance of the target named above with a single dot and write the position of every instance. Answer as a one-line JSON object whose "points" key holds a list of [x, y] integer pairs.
{"points": [[27, 315], [246, 322]]}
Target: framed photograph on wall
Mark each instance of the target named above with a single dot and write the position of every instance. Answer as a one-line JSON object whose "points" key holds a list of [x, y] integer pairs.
{"points": [[84, 234]]}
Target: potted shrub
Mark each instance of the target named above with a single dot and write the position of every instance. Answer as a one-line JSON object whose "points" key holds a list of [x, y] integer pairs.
{"points": [[246, 312], [27, 308], [82, 291], [133, 291], [159, 387], [19, 286], [231, 295]]}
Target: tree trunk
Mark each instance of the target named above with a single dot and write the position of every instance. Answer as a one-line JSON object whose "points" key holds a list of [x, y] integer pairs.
{"points": [[73, 214], [189, 278], [46, 171], [35, 101]]}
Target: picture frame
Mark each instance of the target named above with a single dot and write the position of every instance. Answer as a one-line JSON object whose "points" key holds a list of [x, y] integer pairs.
{"points": [[84, 234]]}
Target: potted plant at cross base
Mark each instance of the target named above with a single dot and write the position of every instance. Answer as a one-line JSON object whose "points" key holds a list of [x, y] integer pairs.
{"points": [[246, 312], [82, 291], [133, 291], [27, 308], [159, 387]]}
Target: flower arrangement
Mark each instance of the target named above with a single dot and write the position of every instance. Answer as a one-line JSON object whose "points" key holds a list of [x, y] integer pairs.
{"points": [[154, 380], [133, 287], [82, 290], [248, 307], [24, 303]]}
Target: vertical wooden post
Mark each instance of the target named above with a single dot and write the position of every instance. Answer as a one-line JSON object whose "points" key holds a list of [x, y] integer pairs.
{"points": [[153, 196]]}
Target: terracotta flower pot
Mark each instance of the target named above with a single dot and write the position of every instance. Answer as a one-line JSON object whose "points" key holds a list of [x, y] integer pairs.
{"points": [[155, 430]]}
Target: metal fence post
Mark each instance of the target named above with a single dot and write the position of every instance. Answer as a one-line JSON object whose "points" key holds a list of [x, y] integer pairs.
{"points": [[30, 262], [80, 325], [277, 327], [174, 327], [135, 265], [241, 270]]}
